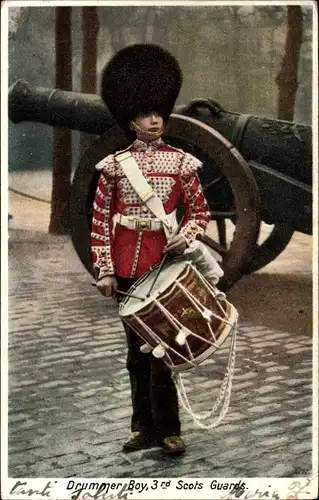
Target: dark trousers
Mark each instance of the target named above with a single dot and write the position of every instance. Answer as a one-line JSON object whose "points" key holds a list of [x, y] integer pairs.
{"points": [[154, 396]]}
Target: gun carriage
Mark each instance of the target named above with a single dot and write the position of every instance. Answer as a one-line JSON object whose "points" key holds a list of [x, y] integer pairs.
{"points": [[255, 169]]}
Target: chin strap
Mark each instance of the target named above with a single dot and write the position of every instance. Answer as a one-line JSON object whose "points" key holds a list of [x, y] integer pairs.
{"points": [[151, 134]]}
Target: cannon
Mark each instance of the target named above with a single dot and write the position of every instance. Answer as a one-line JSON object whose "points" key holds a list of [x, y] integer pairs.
{"points": [[255, 169]]}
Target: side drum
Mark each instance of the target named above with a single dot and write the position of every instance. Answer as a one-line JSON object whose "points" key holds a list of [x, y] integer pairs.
{"points": [[184, 320]]}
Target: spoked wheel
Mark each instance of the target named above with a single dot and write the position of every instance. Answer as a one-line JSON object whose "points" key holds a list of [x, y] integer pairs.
{"points": [[220, 232], [243, 208], [224, 222], [271, 247], [231, 192]]}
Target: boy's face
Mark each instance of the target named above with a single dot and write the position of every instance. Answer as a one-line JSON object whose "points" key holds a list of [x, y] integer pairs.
{"points": [[148, 126]]}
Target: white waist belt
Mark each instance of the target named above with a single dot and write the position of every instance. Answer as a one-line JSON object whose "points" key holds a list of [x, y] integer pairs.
{"points": [[138, 224], [141, 224]]}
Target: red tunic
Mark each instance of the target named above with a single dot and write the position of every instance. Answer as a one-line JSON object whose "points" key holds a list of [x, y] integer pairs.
{"points": [[173, 174]]}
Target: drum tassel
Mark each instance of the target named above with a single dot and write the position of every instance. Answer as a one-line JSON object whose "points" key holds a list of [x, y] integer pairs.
{"points": [[224, 393]]}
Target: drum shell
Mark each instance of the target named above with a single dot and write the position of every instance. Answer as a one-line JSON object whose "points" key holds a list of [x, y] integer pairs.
{"points": [[152, 321]]}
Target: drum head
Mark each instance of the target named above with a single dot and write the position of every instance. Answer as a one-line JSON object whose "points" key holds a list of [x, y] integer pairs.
{"points": [[169, 273]]}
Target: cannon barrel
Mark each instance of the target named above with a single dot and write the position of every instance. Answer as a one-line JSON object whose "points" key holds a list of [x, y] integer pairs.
{"points": [[83, 112], [281, 145]]}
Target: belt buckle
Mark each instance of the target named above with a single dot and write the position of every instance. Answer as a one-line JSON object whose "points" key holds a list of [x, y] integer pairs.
{"points": [[143, 224]]}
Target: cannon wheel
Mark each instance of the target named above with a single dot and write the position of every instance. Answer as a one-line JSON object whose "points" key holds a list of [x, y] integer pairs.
{"points": [[266, 251], [273, 245], [215, 146], [281, 234]]}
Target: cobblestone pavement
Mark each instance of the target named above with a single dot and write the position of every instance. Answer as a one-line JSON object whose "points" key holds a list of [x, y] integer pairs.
{"points": [[69, 393]]}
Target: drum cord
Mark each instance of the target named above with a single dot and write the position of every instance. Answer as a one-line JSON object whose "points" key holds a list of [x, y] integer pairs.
{"points": [[224, 393]]}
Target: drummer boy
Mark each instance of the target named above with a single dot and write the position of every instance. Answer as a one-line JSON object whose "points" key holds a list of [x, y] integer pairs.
{"points": [[140, 86]]}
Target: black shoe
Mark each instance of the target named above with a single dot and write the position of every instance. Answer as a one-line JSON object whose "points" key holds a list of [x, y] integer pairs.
{"points": [[137, 442], [173, 445]]}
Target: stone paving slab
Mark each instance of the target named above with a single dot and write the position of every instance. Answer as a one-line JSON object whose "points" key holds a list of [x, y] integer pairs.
{"points": [[69, 390]]}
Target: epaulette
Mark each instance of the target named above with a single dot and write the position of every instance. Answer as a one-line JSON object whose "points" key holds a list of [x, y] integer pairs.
{"points": [[106, 164], [123, 150]]}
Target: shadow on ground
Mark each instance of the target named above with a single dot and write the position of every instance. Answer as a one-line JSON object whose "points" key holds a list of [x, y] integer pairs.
{"points": [[279, 301]]}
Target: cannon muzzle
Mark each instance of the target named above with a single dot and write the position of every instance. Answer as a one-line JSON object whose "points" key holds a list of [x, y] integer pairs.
{"points": [[58, 108], [283, 146]]}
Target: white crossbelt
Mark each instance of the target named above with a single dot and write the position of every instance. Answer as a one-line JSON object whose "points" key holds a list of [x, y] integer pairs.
{"points": [[145, 191]]}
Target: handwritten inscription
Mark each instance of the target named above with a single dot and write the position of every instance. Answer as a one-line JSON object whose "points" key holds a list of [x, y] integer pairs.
{"points": [[20, 488], [298, 487], [254, 494], [104, 491], [294, 490]]}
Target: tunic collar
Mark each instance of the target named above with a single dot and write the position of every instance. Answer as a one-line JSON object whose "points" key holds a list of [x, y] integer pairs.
{"points": [[148, 146]]}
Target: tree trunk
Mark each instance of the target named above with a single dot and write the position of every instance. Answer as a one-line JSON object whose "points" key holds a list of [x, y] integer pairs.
{"points": [[149, 25], [90, 31], [62, 138], [287, 78], [237, 75]]}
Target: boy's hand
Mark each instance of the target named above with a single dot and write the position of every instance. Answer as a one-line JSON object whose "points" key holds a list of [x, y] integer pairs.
{"points": [[107, 285], [176, 245]]}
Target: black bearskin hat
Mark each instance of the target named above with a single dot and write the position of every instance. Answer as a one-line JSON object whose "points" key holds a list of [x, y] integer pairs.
{"points": [[140, 79]]}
